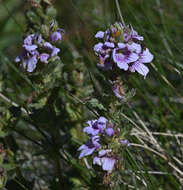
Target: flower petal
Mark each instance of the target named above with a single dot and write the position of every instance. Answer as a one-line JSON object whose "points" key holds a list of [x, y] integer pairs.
{"points": [[135, 47], [121, 45], [47, 45], [86, 152], [55, 51], [28, 40], [82, 147], [108, 163], [101, 123], [109, 44], [98, 47], [31, 64], [134, 35], [44, 57], [99, 34], [140, 68], [125, 142], [91, 131], [146, 56], [96, 160], [102, 153], [132, 57], [120, 60], [56, 36], [30, 48], [116, 92], [109, 131]]}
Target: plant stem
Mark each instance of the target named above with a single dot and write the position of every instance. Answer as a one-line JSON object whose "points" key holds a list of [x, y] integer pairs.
{"points": [[119, 11]]}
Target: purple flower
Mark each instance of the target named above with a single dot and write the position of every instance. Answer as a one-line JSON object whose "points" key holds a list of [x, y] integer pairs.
{"points": [[121, 46], [134, 35], [92, 129], [47, 45], [39, 39], [99, 34], [98, 47], [117, 92], [95, 126], [33, 43], [55, 36], [29, 39], [107, 162], [30, 48], [90, 147], [109, 44], [144, 57], [131, 34], [124, 58], [55, 51], [30, 64], [134, 47], [44, 57], [109, 131], [96, 160], [101, 123]]}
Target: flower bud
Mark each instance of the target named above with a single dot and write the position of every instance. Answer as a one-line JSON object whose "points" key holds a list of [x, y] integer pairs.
{"points": [[109, 131]]}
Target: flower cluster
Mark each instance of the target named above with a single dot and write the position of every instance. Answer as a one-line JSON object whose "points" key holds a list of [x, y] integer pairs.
{"points": [[35, 49], [121, 46], [99, 130]]}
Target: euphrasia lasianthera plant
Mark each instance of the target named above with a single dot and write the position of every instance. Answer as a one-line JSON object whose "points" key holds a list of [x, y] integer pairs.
{"points": [[121, 50], [105, 140], [35, 49], [121, 53], [40, 47], [121, 47]]}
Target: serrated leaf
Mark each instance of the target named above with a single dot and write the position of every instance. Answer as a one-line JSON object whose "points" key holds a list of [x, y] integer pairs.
{"points": [[94, 103]]}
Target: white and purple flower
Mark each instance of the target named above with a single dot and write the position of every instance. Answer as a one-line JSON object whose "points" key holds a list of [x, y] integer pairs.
{"points": [[121, 46], [90, 147], [35, 49], [123, 56], [109, 131], [105, 160], [57, 35], [95, 126], [144, 57], [98, 130]]}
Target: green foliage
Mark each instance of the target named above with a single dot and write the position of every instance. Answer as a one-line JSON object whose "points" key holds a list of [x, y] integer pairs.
{"points": [[42, 114]]}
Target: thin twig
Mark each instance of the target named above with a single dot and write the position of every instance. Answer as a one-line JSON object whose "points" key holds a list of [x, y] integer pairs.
{"points": [[158, 134], [147, 131], [159, 154], [153, 172], [131, 121], [119, 11]]}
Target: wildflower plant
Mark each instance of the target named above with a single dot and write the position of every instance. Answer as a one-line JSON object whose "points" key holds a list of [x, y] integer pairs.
{"points": [[121, 50], [37, 50], [105, 142], [120, 53], [58, 79]]}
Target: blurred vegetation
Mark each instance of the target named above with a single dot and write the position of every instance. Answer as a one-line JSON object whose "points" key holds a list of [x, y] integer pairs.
{"points": [[42, 116]]}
